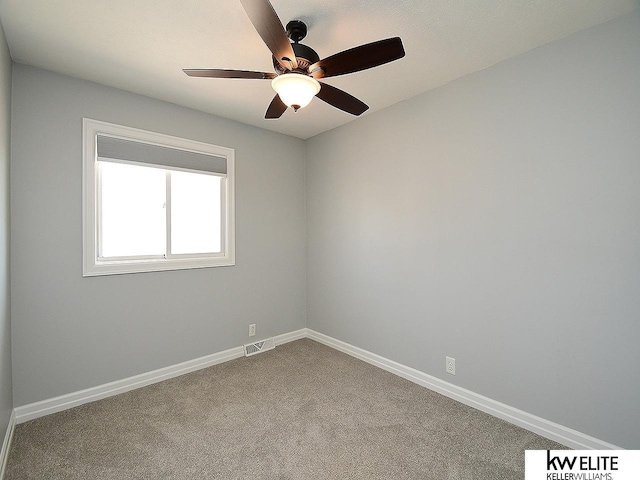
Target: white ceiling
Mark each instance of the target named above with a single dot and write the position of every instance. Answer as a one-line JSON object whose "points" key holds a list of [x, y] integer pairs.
{"points": [[142, 45]]}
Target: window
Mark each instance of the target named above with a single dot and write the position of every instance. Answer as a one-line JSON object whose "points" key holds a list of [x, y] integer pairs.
{"points": [[154, 202]]}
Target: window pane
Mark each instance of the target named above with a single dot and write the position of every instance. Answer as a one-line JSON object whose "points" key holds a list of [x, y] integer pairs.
{"points": [[195, 213], [133, 214]]}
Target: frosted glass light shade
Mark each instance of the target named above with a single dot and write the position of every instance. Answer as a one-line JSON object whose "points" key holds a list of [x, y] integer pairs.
{"points": [[295, 90]]}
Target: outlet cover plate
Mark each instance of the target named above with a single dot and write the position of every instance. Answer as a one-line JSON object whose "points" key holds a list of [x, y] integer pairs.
{"points": [[450, 365]]}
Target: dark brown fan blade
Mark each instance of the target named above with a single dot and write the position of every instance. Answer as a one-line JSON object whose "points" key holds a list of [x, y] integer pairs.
{"points": [[269, 27], [359, 58], [276, 108], [341, 99], [218, 73]]}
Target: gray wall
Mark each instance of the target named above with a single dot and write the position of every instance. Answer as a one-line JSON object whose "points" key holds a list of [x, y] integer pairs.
{"points": [[70, 332], [496, 220], [6, 395]]}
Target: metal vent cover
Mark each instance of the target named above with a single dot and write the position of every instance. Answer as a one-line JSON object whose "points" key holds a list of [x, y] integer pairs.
{"points": [[257, 347]]}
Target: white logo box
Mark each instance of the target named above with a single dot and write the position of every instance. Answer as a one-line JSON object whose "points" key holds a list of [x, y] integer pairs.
{"points": [[582, 465]]}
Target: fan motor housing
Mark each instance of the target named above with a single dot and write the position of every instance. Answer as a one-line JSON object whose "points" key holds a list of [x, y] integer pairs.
{"points": [[305, 55]]}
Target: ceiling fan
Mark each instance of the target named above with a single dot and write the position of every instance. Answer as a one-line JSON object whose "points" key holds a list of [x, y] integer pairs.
{"points": [[298, 67]]}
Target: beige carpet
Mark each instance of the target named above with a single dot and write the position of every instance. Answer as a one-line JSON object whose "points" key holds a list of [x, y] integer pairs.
{"points": [[301, 411]]}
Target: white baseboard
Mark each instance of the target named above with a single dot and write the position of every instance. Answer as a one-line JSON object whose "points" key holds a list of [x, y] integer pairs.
{"points": [[553, 431], [70, 400], [6, 444], [290, 337]]}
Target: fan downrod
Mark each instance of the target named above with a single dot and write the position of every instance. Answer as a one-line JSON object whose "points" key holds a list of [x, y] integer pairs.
{"points": [[296, 30], [305, 55]]}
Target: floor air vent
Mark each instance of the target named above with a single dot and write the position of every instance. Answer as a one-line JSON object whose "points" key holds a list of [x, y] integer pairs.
{"points": [[257, 347]]}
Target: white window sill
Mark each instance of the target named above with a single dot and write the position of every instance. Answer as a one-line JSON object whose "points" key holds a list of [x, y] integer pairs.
{"points": [[97, 268]]}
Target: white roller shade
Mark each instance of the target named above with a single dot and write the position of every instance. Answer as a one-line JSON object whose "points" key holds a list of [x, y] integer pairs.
{"points": [[112, 149]]}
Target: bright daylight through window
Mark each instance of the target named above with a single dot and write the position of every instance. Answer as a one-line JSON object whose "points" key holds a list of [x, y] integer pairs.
{"points": [[154, 202]]}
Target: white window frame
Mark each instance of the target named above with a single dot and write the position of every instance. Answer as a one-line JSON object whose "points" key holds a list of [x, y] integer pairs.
{"points": [[92, 264]]}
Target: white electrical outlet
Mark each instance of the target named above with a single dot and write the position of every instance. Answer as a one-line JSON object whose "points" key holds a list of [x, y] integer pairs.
{"points": [[450, 365], [252, 330]]}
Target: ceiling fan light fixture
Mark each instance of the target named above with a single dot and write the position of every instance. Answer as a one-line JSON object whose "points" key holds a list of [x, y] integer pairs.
{"points": [[295, 89], [299, 66]]}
